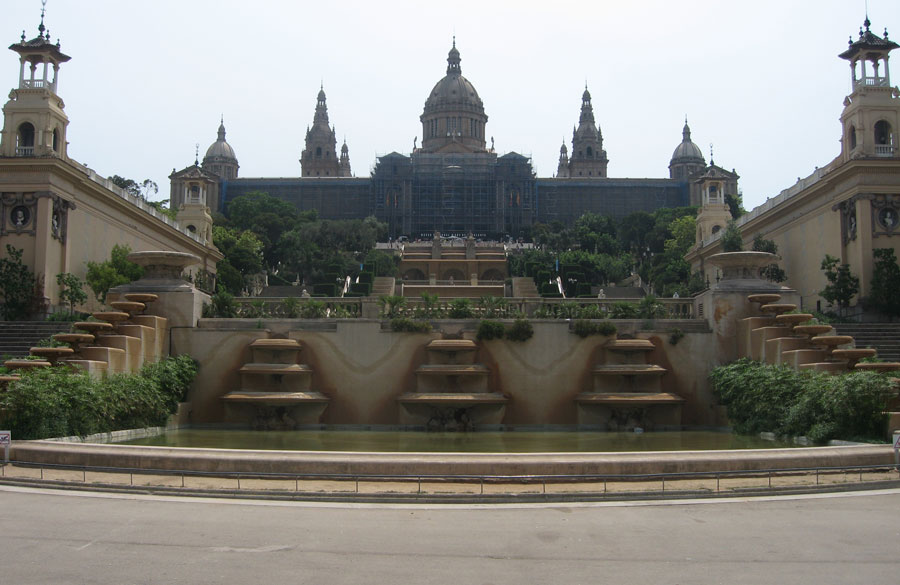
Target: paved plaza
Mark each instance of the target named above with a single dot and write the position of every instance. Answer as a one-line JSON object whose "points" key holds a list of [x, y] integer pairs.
{"points": [[66, 537]]}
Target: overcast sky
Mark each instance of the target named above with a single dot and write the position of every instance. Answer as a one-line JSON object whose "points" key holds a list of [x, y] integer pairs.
{"points": [[760, 80]]}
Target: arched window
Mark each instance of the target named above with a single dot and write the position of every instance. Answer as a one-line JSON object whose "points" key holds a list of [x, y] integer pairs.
{"points": [[590, 152], [716, 228], [883, 133], [884, 139], [25, 140], [318, 152], [55, 140], [851, 138]]}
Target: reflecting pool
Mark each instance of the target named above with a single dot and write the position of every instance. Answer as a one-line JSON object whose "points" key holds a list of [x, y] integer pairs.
{"points": [[474, 442]]}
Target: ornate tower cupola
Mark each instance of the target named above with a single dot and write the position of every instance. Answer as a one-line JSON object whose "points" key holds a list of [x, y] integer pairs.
{"points": [[344, 165], [871, 116], [588, 157], [220, 159], [714, 213], [687, 158], [562, 170], [34, 120], [319, 158], [454, 118]]}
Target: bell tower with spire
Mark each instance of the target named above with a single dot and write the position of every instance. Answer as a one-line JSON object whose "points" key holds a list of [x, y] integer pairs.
{"points": [[588, 157], [34, 120], [319, 157], [871, 116]]}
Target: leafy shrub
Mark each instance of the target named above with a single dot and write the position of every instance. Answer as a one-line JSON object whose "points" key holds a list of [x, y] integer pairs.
{"points": [[391, 305], [461, 309], [492, 306], [675, 336], [818, 405], [567, 311], [65, 316], [624, 310], [520, 330], [650, 308], [404, 324], [488, 330], [429, 308], [56, 402], [732, 241], [585, 328], [256, 309], [291, 307], [221, 305], [17, 286], [314, 310], [174, 374]]}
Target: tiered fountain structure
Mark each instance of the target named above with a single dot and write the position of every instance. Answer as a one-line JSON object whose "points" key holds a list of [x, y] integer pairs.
{"points": [[626, 393], [275, 389], [121, 340], [452, 390], [781, 336]]}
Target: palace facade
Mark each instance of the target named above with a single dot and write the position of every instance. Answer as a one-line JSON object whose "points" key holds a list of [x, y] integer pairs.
{"points": [[455, 182]]}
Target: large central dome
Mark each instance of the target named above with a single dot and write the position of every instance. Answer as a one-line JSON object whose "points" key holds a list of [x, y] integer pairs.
{"points": [[454, 118]]}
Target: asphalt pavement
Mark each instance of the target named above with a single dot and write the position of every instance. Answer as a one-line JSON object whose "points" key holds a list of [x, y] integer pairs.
{"points": [[64, 537]]}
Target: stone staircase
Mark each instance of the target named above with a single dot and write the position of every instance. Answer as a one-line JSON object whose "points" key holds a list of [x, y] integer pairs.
{"points": [[885, 337], [17, 337], [524, 287], [383, 286]]}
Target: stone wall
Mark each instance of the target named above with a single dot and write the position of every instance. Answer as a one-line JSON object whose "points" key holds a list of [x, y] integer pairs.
{"points": [[364, 368]]}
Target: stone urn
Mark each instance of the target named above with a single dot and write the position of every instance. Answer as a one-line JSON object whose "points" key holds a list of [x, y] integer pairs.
{"points": [[163, 269], [740, 270]]}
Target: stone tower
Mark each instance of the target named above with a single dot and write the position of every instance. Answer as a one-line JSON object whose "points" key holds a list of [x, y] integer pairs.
{"points": [[34, 120], [871, 115], [588, 157], [454, 118], [193, 191], [562, 169], [714, 213], [220, 159], [320, 158]]}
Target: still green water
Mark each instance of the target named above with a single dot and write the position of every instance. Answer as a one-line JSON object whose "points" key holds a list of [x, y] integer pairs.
{"points": [[475, 442]]}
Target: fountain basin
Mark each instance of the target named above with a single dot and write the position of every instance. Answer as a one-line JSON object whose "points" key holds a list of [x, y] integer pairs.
{"points": [[812, 330], [629, 345], [629, 398], [630, 370], [275, 398]]}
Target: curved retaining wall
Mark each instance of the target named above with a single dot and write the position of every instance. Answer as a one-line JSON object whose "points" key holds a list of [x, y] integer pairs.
{"points": [[443, 464]]}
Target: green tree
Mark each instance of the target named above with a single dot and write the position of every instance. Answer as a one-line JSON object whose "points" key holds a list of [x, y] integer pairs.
{"points": [[144, 189], [732, 241], [71, 290], [842, 284], [772, 272], [735, 205], [102, 276], [885, 295], [243, 257], [596, 233], [17, 286]]}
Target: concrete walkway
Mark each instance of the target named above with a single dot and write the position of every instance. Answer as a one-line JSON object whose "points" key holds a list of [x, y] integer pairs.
{"points": [[73, 537]]}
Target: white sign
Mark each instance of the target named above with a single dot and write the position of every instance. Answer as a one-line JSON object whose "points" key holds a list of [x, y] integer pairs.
{"points": [[896, 439], [5, 437]]}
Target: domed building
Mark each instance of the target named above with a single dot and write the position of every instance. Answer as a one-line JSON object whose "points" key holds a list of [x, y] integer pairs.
{"points": [[220, 159], [687, 158], [455, 182], [454, 118]]}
